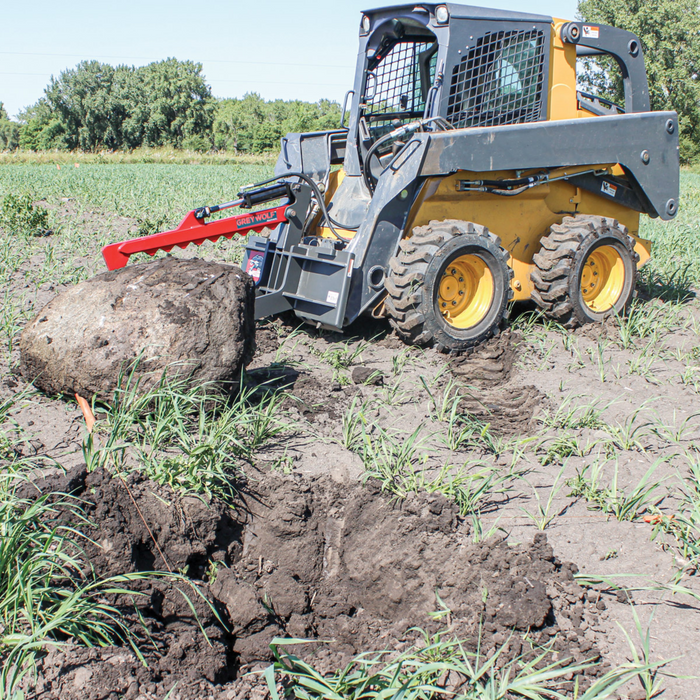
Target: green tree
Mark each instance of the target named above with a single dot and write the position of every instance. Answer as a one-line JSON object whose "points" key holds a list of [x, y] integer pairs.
{"points": [[168, 103], [9, 131], [670, 34], [95, 106], [246, 125], [87, 106], [253, 125], [41, 129], [178, 103]]}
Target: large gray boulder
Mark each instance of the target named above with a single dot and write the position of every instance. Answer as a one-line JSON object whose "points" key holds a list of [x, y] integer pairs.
{"points": [[192, 312]]}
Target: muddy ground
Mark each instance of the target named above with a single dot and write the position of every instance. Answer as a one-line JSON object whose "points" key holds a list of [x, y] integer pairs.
{"points": [[310, 558], [315, 548]]}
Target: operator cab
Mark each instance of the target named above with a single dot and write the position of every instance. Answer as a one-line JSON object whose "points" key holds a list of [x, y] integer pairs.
{"points": [[492, 64], [435, 67], [424, 67]]}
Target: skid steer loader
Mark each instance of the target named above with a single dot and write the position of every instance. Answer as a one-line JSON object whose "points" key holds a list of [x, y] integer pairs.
{"points": [[471, 172]]}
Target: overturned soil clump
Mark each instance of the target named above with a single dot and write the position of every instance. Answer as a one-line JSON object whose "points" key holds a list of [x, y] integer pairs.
{"points": [[304, 558], [194, 313]]}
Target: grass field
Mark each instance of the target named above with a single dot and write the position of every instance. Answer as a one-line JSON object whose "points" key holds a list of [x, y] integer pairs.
{"points": [[158, 194], [166, 156], [602, 456]]}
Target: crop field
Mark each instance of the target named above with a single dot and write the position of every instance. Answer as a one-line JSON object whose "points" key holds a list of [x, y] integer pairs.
{"points": [[360, 518]]}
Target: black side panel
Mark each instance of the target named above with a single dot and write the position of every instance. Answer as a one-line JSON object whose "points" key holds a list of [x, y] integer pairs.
{"points": [[312, 153], [646, 144], [612, 188]]}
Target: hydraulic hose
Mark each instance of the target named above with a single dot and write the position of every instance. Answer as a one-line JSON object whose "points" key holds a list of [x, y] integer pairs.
{"points": [[345, 226], [396, 133], [317, 194]]}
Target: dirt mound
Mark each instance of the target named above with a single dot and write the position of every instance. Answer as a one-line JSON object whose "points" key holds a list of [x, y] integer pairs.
{"points": [[192, 312], [311, 559], [183, 644], [354, 566], [491, 393], [134, 514], [144, 526]]}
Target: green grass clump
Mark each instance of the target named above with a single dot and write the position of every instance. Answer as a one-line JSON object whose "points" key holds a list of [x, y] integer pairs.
{"points": [[48, 591], [192, 438], [683, 525], [610, 498], [20, 216], [422, 673]]}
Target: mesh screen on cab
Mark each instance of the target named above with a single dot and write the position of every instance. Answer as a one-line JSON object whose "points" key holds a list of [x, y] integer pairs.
{"points": [[396, 84], [499, 81]]}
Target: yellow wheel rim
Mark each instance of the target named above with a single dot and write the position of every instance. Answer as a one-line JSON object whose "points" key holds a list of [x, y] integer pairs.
{"points": [[602, 279], [465, 292]]}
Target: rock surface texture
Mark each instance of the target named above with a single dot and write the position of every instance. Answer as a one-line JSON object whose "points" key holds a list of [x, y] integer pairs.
{"points": [[194, 313]]}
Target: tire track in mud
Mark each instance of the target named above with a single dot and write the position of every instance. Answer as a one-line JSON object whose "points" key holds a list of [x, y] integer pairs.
{"points": [[491, 393]]}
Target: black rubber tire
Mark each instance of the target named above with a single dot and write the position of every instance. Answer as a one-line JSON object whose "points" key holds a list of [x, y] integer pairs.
{"points": [[560, 261], [414, 275]]}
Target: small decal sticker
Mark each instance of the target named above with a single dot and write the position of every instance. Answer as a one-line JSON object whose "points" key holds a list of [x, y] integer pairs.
{"points": [[332, 297], [254, 266], [608, 188], [258, 217], [590, 32]]}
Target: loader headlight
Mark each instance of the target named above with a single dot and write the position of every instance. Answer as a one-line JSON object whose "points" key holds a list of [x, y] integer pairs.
{"points": [[365, 25], [442, 14]]}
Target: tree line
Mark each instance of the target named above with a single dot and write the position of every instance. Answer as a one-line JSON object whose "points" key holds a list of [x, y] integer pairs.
{"points": [[96, 106]]}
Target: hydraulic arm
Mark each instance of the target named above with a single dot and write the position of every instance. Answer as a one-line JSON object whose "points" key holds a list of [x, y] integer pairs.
{"points": [[195, 229]]}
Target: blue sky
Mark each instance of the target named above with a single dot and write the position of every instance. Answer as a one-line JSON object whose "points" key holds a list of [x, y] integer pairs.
{"points": [[280, 49]]}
